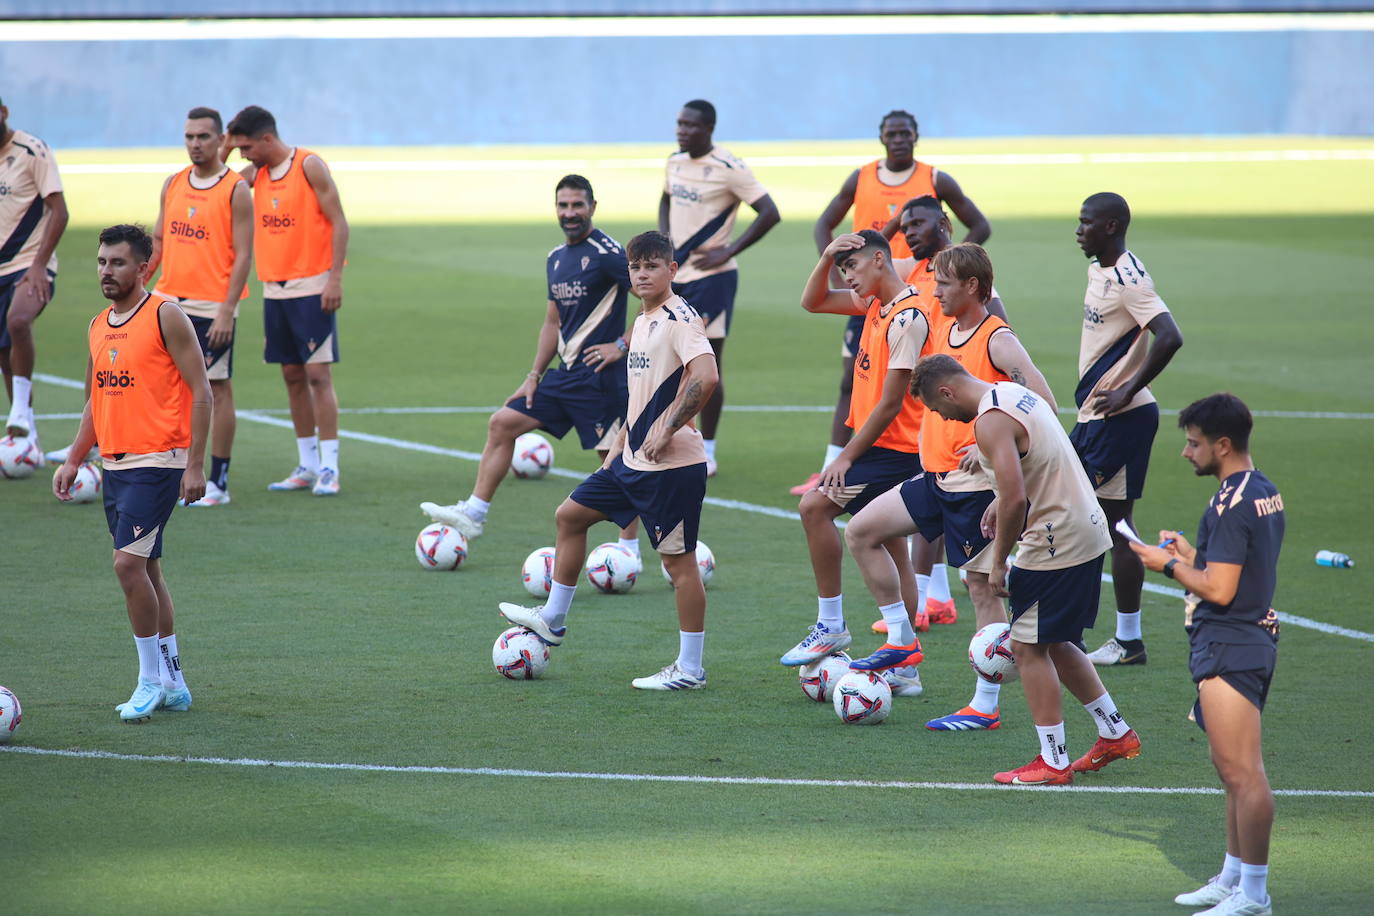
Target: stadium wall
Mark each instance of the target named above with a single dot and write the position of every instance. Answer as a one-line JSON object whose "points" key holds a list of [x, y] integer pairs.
{"points": [[417, 82]]}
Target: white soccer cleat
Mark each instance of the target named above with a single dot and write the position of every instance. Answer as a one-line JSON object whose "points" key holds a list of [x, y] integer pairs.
{"points": [[455, 516], [1210, 894], [531, 619], [59, 456], [147, 698], [904, 681], [1118, 652], [818, 643], [1237, 904], [20, 422], [176, 699], [670, 678], [302, 478], [214, 496], [327, 484]]}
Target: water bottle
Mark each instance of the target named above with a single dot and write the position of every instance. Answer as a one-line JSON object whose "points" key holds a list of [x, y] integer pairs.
{"points": [[1334, 559]]}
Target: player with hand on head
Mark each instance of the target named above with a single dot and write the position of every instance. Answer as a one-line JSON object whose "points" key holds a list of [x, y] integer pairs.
{"points": [[1045, 509], [584, 324], [702, 190], [148, 406], [1230, 578], [655, 471]]}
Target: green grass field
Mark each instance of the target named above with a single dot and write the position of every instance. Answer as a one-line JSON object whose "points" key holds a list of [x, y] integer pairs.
{"points": [[310, 634]]}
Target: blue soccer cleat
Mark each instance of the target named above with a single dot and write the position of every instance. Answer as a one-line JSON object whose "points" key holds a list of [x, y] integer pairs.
{"points": [[890, 656], [967, 719]]}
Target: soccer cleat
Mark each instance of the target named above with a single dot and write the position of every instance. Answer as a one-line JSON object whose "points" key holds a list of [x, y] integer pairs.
{"points": [[531, 619], [59, 456], [1210, 894], [176, 699], [818, 643], [1108, 749], [455, 516], [967, 719], [941, 611], [1035, 773], [1237, 904], [904, 681], [880, 626], [670, 678], [214, 496], [1116, 652], [802, 489], [327, 484], [139, 708], [890, 656], [302, 478]]}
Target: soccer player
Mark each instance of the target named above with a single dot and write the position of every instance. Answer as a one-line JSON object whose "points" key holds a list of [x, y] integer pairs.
{"points": [[1117, 415], [949, 498], [203, 240], [588, 283], [702, 191], [33, 215], [148, 406], [299, 245], [655, 471], [880, 455], [874, 193], [1045, 510], [1234, 633]]}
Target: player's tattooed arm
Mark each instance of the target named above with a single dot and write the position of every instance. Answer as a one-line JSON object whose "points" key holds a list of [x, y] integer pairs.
{"points": [[698, 384], [689, 402]]}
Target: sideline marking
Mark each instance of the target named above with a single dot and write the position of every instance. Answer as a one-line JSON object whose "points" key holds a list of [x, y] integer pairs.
{"points": [[257, 416], [652, 777]]}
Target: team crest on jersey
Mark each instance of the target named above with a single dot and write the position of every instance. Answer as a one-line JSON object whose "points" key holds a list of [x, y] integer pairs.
{"points": [[274, 203], [114, 354], [190, 212], [706, 172], [585, 261], [891, 210]]}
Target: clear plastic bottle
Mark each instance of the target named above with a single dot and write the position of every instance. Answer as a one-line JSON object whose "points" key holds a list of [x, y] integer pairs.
{"points": [[1334, 559]]}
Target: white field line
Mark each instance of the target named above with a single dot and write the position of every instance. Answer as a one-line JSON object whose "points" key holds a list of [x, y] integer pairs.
{"points": [[1172, 157], [252, 762], [256, 416]]}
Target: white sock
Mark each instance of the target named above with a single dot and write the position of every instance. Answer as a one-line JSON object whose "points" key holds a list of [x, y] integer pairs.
{"points": [[1230, 871], [1053, 749], [831, 612], [832, 451], [19, 407], [985, 694], [556, 608], [329, 454], [309, 449], [899, 631], [1127, 625], [922, 590], [171, 663], [689, 647], [478, 508], [710, 449], [630, 544], [1104, 713], [1253, 881], [149, 658], [939, 582]]}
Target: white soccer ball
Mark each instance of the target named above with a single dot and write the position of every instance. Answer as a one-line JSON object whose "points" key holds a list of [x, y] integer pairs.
{"points": [[19, 458], [519, 655], [612, 569], [989, 652], [818, 679], [537, 573], [440, 547], [862, 698], [706, 561], [11, 714], [86, 486], [533, 457]]}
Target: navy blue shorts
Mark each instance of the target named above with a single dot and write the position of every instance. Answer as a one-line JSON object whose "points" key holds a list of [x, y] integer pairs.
{"points": [[299, 331], [138, 504], [668, 502], [1248, 667], [714, 299], [873, 474], [219, 361], [592, 402], [1107, 446], [853, 330], [7, 284], [1054, 605], [957, 516]]}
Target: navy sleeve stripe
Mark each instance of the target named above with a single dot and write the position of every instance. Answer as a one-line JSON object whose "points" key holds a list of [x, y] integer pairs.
{"points": [[1115, 354]]}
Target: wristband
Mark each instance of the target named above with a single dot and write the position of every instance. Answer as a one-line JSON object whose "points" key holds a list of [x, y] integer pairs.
{"points": [[1168, 569], [532, 374], [621, 345]]}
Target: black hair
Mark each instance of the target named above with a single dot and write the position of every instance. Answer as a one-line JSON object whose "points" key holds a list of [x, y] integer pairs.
{"points": [[137, 237], [253, 121], [872, 239], [650, 245], [577, 183], [927, 201], [1110, 206], [1219, 416], [705, 109], [202, 112], [931, 371], [899, 113]]}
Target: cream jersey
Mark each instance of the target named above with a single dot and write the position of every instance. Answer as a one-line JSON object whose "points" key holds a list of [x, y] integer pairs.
{"points": [[704, 196], [28, 173], [1120, 301], [663, 342], [1065, 526]]}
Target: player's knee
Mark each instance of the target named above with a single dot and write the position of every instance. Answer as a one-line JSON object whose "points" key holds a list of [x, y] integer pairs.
{"points": [[129, 569], [815, 509], [501, 425], [859, 536], [571, 517]]}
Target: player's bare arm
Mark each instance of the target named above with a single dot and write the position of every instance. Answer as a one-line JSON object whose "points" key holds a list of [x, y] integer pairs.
{"points": [[1215, 582], [889, 404], [156, 259], [35, 279], [835, 211], [1009, 356], [665, 204], [767, 218], [616, 448], [948, 190], [544, 351], [327, 193], [241, 213], [818, 297], [182, 345], [85, 439], [1002, 439], [1167, 341], [699, 379]]}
